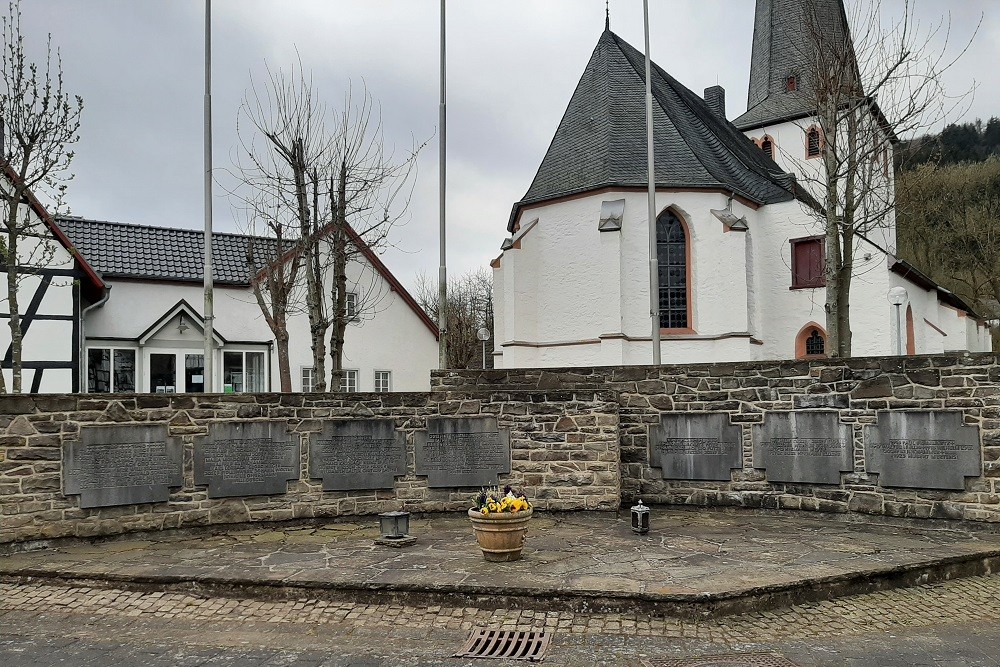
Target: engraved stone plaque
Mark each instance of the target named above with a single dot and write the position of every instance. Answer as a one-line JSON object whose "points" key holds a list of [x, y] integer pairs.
{"points": [[250, 458], [469, 451], [122, 465], [696, 446], [358, 454], [924, 450], [803, 447]]}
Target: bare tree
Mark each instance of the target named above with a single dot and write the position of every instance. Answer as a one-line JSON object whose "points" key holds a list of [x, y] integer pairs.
{"points": [[338, 193], [469, 309], [881, 81], [284, 149], [369, 191], [38, 122]]}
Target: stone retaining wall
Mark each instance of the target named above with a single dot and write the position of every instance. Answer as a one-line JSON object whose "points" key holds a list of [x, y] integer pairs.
{"points": [[564, 448], [856, 389]]}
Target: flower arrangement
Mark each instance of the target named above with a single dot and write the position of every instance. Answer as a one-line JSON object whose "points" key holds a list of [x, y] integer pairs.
{"points": [[495, 500]]}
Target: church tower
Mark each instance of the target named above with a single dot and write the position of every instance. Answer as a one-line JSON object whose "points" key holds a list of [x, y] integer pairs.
{"points": [[790, 38]]}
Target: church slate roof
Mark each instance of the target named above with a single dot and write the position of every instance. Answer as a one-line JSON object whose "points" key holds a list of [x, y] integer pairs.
{"points": [[601, 139], [783, 39], [120, 250]]}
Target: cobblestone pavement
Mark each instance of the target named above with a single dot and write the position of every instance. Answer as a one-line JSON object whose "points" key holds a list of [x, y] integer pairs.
{"points": [[952, 624]]}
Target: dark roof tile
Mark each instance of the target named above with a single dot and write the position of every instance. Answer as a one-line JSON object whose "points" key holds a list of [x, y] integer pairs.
{"points": [[601, 139]]}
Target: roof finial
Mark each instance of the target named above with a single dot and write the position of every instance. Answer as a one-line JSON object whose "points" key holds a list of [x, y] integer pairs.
{"points": [[607, 14]]}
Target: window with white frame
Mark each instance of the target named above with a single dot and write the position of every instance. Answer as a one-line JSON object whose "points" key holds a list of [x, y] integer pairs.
{"points": [[352, 305], [308, 375], [110, 370], [349, 382], [243, 372], [383, 381]]}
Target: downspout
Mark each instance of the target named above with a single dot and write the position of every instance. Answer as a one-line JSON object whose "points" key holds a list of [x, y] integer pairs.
{"points": [[83, 334]]}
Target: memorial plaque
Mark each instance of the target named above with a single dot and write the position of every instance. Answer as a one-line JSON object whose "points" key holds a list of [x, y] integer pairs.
{"points": [[358, 454], [250, 458], [923, 450], [468, 451], [122, 465], [699, 446], [803, 447]]}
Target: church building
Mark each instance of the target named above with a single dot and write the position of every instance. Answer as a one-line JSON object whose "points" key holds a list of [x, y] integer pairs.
{"points": [[739, 246]]}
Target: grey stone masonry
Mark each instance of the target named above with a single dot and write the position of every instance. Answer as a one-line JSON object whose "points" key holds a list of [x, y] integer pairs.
{"points": [[855, 390], [563, 453]]}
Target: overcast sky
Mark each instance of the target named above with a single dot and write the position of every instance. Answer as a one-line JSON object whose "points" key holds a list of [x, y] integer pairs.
{"points": [[512, 67]]}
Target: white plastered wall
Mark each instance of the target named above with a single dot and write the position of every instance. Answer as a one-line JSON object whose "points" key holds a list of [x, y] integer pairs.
{"points": [[389, 337]]}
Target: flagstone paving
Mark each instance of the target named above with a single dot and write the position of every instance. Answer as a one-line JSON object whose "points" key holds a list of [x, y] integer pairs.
{"points": [[582, 561]]}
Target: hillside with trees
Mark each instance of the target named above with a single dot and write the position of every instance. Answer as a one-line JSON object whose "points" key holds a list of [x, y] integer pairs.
{"points": [[948, 204]]}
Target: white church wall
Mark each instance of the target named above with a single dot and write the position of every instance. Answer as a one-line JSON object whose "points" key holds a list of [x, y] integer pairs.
{"points": [[587, 301]]}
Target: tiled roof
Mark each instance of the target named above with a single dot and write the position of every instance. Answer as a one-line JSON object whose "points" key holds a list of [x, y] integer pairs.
{"points": [[601, 140], [119, 250], [783, 43]]}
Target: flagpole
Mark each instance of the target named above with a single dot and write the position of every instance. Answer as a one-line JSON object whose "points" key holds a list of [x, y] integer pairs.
{"points": [[443, 268], [654, 267], [209, 292]]}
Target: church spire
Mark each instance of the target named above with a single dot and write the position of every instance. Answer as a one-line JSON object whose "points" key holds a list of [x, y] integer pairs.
{"points": [[607, 15], [785, 36]]}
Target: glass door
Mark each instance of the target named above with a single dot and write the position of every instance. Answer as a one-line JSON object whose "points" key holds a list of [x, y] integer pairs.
{"points": [[163, 373], [194, 372]]}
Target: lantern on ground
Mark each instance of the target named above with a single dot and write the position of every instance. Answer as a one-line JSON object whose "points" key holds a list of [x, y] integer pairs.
{"points": [[640, 519], [395, 529]]}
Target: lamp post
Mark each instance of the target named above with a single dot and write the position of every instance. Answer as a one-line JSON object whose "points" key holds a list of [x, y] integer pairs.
{"points": [[484, 335], [897, 296]]}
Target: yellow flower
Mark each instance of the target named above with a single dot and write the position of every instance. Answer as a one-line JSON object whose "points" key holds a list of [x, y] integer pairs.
{"points": [[485, 511]]}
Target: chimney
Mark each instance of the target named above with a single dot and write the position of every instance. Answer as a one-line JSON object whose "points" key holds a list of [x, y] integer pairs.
{"points": [[715, 98]]}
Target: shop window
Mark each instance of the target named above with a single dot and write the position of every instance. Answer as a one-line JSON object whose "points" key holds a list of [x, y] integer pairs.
{"points": [[243, 372], [110, 370]]}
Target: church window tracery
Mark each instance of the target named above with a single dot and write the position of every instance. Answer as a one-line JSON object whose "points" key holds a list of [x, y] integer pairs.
{"points": [[810, 343], [672, 256]]}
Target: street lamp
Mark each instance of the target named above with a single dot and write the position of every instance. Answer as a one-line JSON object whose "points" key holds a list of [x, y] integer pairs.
{"points": [[897, 296], [484, 335]]}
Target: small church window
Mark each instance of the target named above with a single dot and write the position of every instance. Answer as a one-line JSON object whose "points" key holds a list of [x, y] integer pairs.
{"points": [[815, 345], [810, 343], [791, 84], [671, 253], [767, 145], [814, 142]]}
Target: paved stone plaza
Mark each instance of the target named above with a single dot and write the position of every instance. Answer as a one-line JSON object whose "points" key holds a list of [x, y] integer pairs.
{"points": [[193, 599]]}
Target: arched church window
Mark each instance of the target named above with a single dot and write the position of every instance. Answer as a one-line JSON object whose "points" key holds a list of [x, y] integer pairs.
{"points": [[815, 345], [672, 256], [811, 342], [767, 145], [814, 142]]}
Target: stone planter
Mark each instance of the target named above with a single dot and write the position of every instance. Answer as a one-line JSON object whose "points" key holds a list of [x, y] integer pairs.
{"points": [[500, 535]]}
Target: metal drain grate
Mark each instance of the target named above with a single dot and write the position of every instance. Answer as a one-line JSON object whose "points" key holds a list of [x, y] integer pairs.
{"points": [[728, 660], [522, 645]]}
